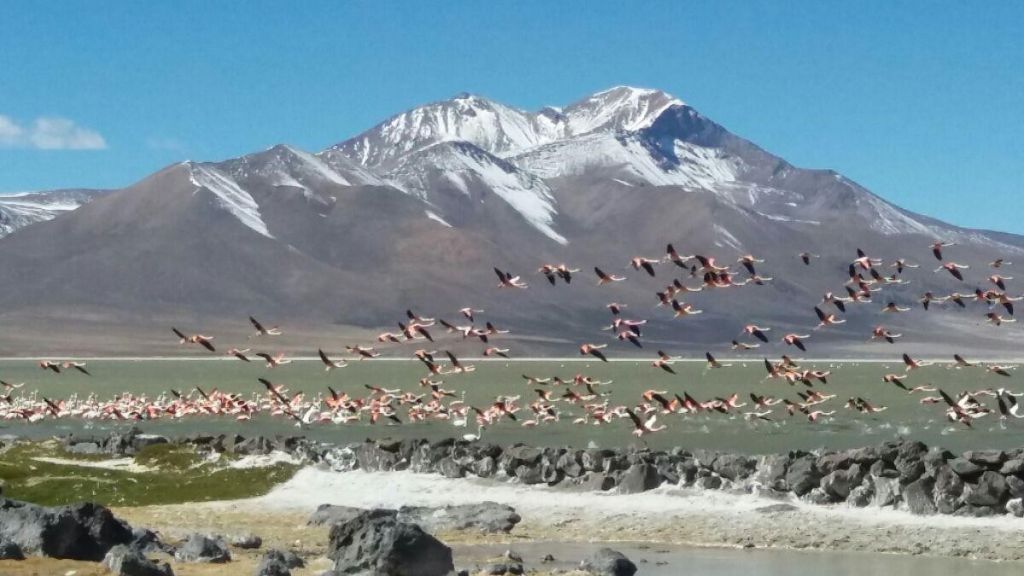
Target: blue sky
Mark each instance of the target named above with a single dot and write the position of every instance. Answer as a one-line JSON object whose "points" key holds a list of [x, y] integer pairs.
{"points": [[919, 101]]}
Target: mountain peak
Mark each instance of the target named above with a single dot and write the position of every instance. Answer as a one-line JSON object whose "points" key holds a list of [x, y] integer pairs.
{"points": [[621, 108]]}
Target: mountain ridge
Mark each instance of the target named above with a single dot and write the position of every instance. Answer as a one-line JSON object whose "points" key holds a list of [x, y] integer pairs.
{"points": [[404, 214]]}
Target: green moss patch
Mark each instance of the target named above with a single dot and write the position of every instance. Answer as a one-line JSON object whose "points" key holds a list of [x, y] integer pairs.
{"points": [[172, 475]]}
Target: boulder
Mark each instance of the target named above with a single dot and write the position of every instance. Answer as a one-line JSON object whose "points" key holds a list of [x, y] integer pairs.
{"points": [[1015, 506], [594, 482], [918, 497], [246, 541], [833, 461], [328, 514], [965, 468], [639, 478], [709, 482], [887, 490], [501, 568], [275, 563], [485, 517], [485, 467], [948, 488], [1016, 486], [911, 450], [84, 448], [861, 496], [377, 542], [771, 471], [84, 531], [840, 482], [529, 474], [608, 562], [10, 551], [991, 459], [819, 496], [909, 469], [449, 468], [140, 441], [734, 466], [571, 464], [802, 475], [990, 490], [124, 560], [202, 548], [373, 458], [1013, 467]]}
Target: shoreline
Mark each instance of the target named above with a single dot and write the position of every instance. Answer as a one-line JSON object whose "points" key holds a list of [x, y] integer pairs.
{"points": [[877, 500]]}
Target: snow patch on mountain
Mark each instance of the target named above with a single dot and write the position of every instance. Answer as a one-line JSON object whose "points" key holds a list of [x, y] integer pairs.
{"points": [[502, 130], [433, 216], [631, 158], [723, 235], [622, 108], [229, 195], [21, 209], [464, 166]]}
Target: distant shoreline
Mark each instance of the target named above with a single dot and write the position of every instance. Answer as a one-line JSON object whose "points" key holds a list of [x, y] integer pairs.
{"points": [[573, 359]]}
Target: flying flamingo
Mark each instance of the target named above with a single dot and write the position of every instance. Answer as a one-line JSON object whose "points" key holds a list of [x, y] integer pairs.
{"points": [[603, 278], [954, 269]]}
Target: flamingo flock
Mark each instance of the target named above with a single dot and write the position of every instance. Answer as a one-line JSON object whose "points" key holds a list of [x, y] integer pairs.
{"points": [[581, 400]]}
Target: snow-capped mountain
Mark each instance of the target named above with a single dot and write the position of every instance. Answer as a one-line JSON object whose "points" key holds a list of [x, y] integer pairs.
{"points": [[502, 130], [25, 209], [416, 211]]}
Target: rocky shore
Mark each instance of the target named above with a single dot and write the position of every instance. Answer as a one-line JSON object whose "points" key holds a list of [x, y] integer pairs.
{"points": [[815, 500], [900, 475]]}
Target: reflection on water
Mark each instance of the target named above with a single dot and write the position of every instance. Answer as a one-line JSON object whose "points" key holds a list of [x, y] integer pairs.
{"points": [[662, 560]]}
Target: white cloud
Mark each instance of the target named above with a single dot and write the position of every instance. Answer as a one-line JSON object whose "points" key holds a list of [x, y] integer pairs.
{"points": [[49, 133]]}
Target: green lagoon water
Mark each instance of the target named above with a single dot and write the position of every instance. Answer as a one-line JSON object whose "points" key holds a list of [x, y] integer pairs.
{"points": [[905, 417]]}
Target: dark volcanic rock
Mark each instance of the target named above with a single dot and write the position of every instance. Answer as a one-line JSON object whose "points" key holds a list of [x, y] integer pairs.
{"points": [[1015, 506], [734, 466], [529, 474], [376, 542], [247, 541], [639, 478], [594, 482], [202, 548], [1013, 467], [608, 562], [128, 561], [840, 482], [373, 458], [78, 532], [887, 491], [918, 497], [948, 488], [1016, 486], [990, 490], [278, 563], [771, 471], [861, 496], [327, 514], [10, 551], [909, 469], [965, 468], [485, 517], [802, 475], [571, 464], [991, 459]]}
